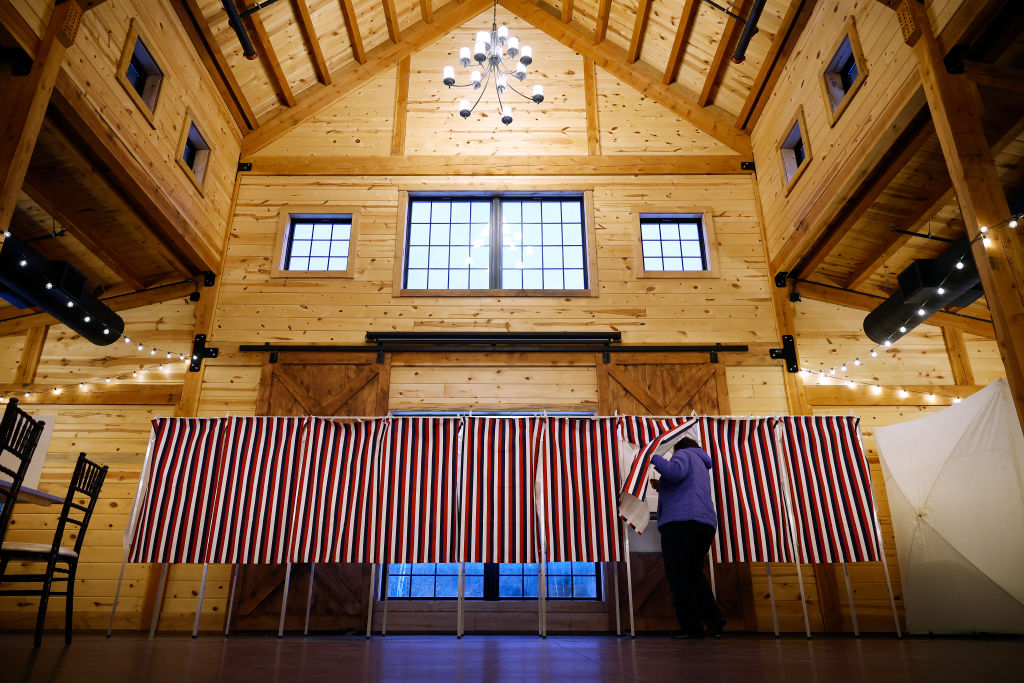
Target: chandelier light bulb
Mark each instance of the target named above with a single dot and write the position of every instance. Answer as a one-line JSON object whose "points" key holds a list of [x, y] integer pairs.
{"points": [[538, 93], [506, 115], [479, 52], [464, 108], [474, 79], [513, 46], [500, 84], [484, 38], [521, 71], [502, 35], [526, 56], [464, 56], [449, 76]]}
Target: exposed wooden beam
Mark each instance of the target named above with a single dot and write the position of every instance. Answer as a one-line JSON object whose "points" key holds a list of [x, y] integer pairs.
{"points": [[601, 25], [593, 120], [860, 395], [846, 176], [121, 302], [31, 353], [905, 149], [683, 28], [313, 42], [271, 63], [643, 10], [352, 26], [391, 19], [209, 51], [956, 110], [94, 394], [25, 100], [383, 57], [616, 164], [992, 76], [401, 108], [725, 46], [567, 9], [426, 11], [19, 29], [793, 23], [959, 359], [867, 302], [129, 174], [614, 60]]}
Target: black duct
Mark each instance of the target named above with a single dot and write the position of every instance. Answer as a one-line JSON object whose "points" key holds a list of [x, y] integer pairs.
{"points": [[235, 22], [30, 279], [919, 286], [749, 29]]}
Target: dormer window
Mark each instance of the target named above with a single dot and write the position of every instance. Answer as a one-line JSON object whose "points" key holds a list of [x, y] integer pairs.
{"points": [[844, 74]]}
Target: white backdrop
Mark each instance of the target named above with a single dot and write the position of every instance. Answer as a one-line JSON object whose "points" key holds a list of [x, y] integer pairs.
{"points": [[955, 484]]}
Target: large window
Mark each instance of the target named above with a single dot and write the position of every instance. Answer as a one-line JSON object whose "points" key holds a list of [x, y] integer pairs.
{"points": [[672, 242], [507, 581], [479, 244], [316, 244]]}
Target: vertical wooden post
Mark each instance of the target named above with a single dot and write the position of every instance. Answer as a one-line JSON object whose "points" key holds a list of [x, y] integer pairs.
{"points": [[401, 108], [959, 362], [593, 120], [35, 339], [956, 110], [25, 100]]}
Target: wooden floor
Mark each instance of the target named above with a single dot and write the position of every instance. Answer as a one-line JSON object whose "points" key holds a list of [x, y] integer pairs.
{"points": [[259, 659]]}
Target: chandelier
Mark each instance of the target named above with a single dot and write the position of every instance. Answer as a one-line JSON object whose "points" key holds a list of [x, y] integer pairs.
{"points": [[495, 52]]}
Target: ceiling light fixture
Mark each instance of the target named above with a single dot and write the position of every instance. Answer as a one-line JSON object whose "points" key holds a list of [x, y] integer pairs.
{"points": [[498, 53]]}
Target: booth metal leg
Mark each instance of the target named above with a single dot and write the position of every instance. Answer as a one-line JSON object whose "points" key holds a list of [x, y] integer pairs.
{"points": [[384, 576], [199, 603], [369, 606], [615, 588], [803, 598], [117, 593], [849, 595], [284, 599], [888, 583], [309, 598], [231, 602], [771, 597], [629, 584], [159, 601], [462, 594], [711, 573], [542, 593]]}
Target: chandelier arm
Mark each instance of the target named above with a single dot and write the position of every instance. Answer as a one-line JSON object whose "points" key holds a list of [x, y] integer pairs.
{"points": [[501, 109], [483, 89], [525, 97]]}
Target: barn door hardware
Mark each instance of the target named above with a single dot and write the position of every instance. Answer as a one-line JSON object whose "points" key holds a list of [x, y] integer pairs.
{"points": [[200, 351], [786, 353]]}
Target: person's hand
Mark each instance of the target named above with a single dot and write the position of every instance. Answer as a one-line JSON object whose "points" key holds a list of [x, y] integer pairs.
{"points": [[655, 483]]}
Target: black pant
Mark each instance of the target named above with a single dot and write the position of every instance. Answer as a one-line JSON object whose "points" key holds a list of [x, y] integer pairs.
{"points": [[683, 547]]}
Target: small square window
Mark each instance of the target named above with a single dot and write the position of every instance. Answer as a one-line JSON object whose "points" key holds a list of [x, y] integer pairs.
{"points": [[193, 151], [315, 243], [675, 245], [844, 73], [794, 151], [139, 74]]}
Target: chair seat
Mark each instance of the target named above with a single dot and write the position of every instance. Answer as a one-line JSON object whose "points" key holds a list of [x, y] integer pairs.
{"points": [[35, 549]]}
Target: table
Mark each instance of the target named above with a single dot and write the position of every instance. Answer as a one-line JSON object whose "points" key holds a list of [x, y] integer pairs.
{"points": [[27, 495]]}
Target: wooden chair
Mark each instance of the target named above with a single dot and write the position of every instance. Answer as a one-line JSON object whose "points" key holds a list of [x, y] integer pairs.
{"points": [[61, 561], [19, 434]]}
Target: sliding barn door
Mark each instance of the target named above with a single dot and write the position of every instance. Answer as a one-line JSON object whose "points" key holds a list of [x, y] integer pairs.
{"points": [[650, 384], [322, 385]]}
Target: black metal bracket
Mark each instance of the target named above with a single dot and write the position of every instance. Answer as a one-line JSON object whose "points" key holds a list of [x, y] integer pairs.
{"points": [[208, 278], [244, 166], [714, 356], [780, 279], [786, 353], [747, 166], [200, 351]]}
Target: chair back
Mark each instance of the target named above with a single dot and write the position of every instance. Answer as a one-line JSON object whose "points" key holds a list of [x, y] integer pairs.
{"points": [[86, 481], [19, 434]]}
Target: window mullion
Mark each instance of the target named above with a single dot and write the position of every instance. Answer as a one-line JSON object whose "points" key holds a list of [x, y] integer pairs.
{"points": [[494, 268]]}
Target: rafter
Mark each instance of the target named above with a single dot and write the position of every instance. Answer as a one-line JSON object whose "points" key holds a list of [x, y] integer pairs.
{"points": [[905, 149], [427, 11], [381, 58], [643, 10], [675, 57], [313, 42], [601, 27], [352, 26], [722, 53], [270, 61], [567, 10], [391, 19], [992, 76], [614, 60]]}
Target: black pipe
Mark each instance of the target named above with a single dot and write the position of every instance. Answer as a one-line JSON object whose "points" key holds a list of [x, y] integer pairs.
{"points": [[748, 32], [921, 234], [490, 348], [235, 22], [495, 337]]}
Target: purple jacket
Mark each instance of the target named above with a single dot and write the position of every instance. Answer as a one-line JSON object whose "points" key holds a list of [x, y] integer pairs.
{"points": [[684, 493]]}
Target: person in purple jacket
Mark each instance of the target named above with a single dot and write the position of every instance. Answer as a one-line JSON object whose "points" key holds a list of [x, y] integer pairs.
{"points": [[687, 523]]}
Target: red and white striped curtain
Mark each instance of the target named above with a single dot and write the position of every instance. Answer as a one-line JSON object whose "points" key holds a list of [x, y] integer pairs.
{"points": [[331, 520], [414, 512], [831, 489], [171, 524], [747, 491], [255, 494], [499, 512], [579, 476], [654, 433]]}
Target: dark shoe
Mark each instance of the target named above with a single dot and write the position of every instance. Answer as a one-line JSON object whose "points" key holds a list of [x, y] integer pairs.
{"points": [[683, 635], [717, 630]]}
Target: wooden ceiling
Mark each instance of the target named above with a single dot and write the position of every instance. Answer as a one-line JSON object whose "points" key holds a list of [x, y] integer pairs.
{"points": [[312, 52]]}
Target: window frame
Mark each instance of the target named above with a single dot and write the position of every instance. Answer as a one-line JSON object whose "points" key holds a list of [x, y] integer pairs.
{"points": [[786, 154], [203, 156], [835, 109], [156, 82], [589, 236], [321, 212], [707, 233]]}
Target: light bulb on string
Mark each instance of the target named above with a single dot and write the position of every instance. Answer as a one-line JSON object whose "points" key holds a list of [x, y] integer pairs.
{"points": [[887, 342], [139, 347], [903, 329], [856, 361], [874, 354], [843, 367]]}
